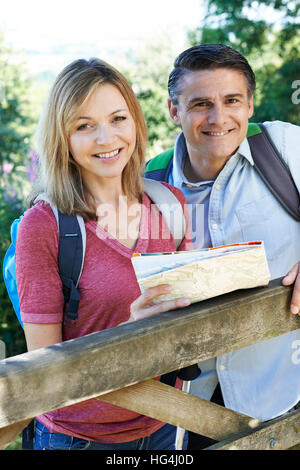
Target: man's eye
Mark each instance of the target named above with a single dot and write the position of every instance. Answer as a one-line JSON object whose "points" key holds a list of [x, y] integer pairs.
{"points": [[201, 104], [232, 100]]}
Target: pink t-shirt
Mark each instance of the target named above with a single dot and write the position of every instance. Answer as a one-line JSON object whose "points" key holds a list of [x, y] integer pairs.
{"points": [[107, 285]]}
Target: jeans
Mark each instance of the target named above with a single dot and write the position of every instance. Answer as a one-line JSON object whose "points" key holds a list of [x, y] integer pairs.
{"points": [[163, 439]]}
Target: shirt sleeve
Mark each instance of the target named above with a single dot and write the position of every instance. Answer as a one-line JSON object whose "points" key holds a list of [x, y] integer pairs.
{"points": [[38, 281], [186, 243]]}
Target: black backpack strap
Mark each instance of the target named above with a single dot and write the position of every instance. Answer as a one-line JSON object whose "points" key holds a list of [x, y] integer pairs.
{"points": [[70, 259], [28, 436], [186, 373], [274, 172]]}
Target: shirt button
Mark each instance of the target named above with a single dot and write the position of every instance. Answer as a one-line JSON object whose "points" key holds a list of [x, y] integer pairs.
{"points": [[218, 187], [222, 367], [214, 226]]}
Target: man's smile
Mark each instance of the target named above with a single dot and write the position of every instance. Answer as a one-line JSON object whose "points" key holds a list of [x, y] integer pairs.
{"points": [[217, 133]]}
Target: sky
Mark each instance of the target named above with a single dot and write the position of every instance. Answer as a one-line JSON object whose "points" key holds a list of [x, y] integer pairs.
{"points": [[48, 34]]}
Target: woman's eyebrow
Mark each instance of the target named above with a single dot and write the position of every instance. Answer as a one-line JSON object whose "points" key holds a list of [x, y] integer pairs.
{"points": [[114, 112]]}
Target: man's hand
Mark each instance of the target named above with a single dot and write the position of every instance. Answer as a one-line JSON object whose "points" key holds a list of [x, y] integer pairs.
{"points": [[293, 276]]}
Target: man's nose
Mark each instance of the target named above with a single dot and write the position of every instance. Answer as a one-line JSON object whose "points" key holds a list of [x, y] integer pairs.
{"points": [[217, 115]]}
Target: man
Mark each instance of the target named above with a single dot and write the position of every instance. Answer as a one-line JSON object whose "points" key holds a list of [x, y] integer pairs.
{"points": [[211, 98]]}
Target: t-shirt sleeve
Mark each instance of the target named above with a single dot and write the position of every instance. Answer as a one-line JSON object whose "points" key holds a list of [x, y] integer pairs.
{"points": [[38, 281], [186, 243]]}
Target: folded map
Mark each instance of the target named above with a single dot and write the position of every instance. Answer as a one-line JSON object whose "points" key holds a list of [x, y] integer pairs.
{"points": [[206, 273]]}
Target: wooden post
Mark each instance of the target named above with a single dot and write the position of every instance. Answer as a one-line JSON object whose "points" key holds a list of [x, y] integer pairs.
{"points": [[96, 364]]}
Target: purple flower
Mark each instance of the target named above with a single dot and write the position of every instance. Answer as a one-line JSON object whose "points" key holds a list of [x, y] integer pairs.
{"points": [[34, 157], [32, 166], [32, 173], [7, 167]]}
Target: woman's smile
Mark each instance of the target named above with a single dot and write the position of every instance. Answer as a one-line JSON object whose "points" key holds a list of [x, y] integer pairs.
{"points": [[103, 136]]}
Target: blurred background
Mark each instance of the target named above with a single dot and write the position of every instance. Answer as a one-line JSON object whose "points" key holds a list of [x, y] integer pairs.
{"points": [[142, 39]]}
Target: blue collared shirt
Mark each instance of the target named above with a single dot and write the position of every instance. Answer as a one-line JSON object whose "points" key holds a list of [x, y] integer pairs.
{"points": [[262, 380]]}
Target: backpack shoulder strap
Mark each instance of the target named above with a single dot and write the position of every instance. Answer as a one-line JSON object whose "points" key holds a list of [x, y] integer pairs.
{"points": [[171, 209], [159, 167], [70, 262], [72, 244], [273, 170]]}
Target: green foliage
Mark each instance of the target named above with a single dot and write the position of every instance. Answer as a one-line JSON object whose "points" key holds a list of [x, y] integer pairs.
{"points": [[267, 33], [16, 444], [147, 69], [16, 128], [10, 330]]}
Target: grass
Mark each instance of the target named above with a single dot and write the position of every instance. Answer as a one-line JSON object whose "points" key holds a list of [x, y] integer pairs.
{"points": [[16, 444]]}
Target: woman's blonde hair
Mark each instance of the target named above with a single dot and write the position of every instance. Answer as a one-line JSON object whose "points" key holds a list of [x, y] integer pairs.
{"points": [[60, 176]]}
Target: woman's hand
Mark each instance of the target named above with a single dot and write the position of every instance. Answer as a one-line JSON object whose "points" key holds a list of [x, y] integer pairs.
{"points": [[143, 307]]}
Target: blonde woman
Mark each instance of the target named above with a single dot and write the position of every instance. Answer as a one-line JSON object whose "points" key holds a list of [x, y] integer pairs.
{"points": [[92, 139]]}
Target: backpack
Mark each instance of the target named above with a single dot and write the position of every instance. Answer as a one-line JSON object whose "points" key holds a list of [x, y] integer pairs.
{"points": [[268, 163], [72, 242]]}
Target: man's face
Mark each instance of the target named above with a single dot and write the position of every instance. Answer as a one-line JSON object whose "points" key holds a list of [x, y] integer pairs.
{"points": [[213, 111]]}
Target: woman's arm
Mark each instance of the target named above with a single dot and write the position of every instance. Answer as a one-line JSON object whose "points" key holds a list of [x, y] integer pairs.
{"points": [[37, 335], [143, 307], [40, 335]]}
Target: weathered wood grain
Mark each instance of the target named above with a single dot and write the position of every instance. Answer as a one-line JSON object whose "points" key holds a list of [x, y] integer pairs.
{"points": [[167, 404], [278, 434], [76, 370]]}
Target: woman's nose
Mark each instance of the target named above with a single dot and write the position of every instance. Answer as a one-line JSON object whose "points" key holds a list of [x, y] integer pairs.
{"points": [[104, 134]]}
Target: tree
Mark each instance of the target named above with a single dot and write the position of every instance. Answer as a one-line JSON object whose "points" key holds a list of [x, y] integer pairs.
{"points": [[147, 69], [267, 33], [16, 129]]}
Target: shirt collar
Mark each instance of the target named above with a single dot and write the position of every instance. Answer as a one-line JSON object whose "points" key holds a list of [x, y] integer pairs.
{"points": [[180, 154], [244, 151]]}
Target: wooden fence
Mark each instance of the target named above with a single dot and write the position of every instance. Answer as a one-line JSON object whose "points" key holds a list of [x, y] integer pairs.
{"points": [[118, 366]]}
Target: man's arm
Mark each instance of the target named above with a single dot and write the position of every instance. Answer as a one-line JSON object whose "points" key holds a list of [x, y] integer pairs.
{"points": [[293, 276]]}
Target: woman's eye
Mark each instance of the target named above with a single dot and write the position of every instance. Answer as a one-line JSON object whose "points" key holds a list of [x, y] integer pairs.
{"points": [[119, 118], [83, 127]]}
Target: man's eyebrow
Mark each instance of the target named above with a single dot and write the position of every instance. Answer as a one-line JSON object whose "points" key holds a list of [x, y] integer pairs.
{"points": [[206, 98], [200, 98], [233, 95]]}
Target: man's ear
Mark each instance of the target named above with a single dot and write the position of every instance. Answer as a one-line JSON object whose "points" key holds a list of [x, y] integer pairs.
{"points": [[173, 111], [251, 108]]}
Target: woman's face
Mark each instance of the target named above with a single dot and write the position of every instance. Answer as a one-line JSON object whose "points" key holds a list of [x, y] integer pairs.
{"points": [[102, 137]]}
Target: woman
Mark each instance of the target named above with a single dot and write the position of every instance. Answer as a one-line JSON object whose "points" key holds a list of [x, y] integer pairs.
{"points": [[91, 140]]}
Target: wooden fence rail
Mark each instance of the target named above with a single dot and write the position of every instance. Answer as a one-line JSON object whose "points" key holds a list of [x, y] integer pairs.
{"points": [[117, 365]]}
